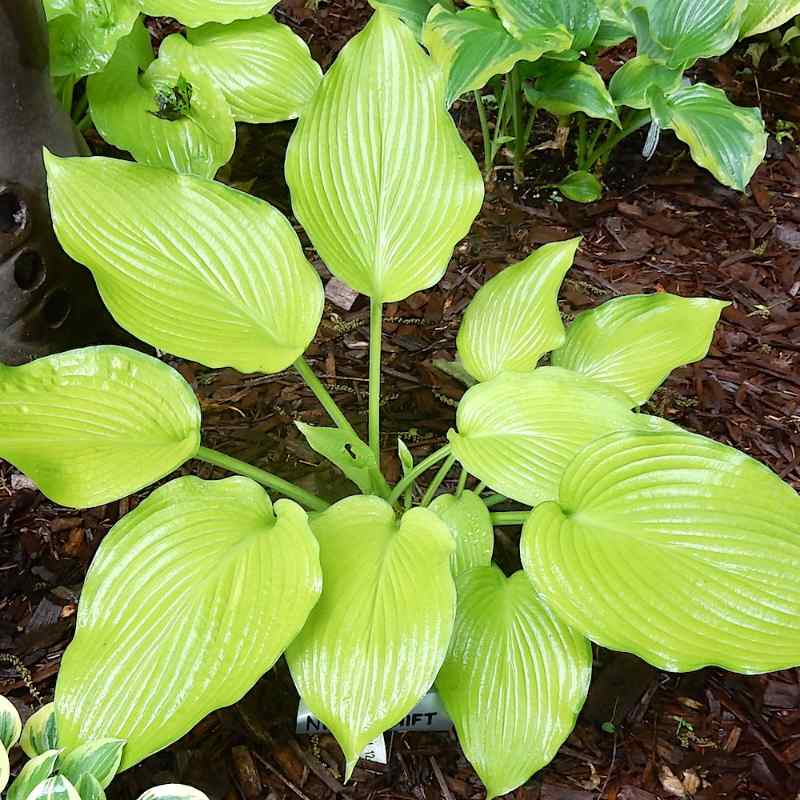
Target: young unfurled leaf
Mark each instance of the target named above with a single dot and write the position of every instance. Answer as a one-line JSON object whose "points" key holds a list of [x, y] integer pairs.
{"points": [[567, 87], [10, 722], [375, 641], [728, 140], [34, 772], [198, 12], [514, 679], [100, 758], [579, 18], [379, 175], [167, 116], [766, 15], [630, 84], [581, 187], [676, 548], [94, 425], [190, 266], [518, 431], [413, 12], [513, 320], [40, 733], [190, 599], [472, 46], [57, 788], [89, 788], [470, 524], [173, 791]]}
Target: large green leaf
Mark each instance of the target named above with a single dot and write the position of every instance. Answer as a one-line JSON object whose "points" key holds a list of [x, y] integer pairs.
{"points": [[630, 84], [190, 266], [676, 548], [190, 599], [379, 175], [125, 97], [514, 679], [513, 320], [198, 12], [90, 426], [517, 432], [634, 342], [567, 87], [85, 33], [473, 46], [615, 27], [375, 641], [678, 32], [470, 524], [728, 140], [765, 15], [413, 12]]}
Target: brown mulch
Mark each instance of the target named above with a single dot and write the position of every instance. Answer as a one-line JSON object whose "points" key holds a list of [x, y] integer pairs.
{"points": [[664, 225]]}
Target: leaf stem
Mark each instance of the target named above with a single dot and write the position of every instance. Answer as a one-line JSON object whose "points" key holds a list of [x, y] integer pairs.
{"points": [[421, 468], [437, 479], [494, 500], [485, 133], [462, 482], [636, 120], [375, 336], [510, 517], [480, 487], [261, 476]]}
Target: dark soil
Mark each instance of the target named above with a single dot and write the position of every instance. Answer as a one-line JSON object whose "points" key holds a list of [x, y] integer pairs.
{"points": [[664, 224]]}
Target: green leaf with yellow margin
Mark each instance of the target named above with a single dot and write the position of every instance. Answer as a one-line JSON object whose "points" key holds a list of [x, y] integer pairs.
{"points": [[173, 791], [414, 12], [470, 524], [56, 788], [100, 758], [40, 734], [10, 722], [38, 769], [630, 84], [569, 87], [766, 15], [198, 12], [579, 18], [380, 178], [671, 546], [89, 788], [375, 641], [189, 600]]}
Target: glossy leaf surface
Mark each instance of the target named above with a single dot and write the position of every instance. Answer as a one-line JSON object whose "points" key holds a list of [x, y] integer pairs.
{"points": [[173, 791], [514, 679], [10, 723], [100, 758], [375, 641], [189, 600], [470, 525], [56, 788], [766, 15], [93, 425], [38, 769], [579, 18], [379, 175], [197, 12], [519, 431], [567, 87], [615, 27], [40, 733], [581, 187], [190, 266], [634, 342], [630, 84], [676, 548], [513, 320]]}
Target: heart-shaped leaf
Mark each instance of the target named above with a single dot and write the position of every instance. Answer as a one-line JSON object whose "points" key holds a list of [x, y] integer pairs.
{"points": [[470, 525], [375, 641], [34, 772], [57, 788], [197, 12], [190, 599], [40, 734], [634, 342], [514, 678], [379, 175], [517, 432], [567, 87], [10, 723], [169, 115], [100, 758], [630, 84], [766, 15], [173, 791], [94, 425], [579, 18], [513, 320], [190, 266], [728, 140], [89, 788], [581, 187]]}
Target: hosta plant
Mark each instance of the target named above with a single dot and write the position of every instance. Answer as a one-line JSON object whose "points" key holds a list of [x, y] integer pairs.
{"points": [[636, 534]]}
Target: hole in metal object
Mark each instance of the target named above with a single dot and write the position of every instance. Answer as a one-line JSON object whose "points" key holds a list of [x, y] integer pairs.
{"points": [[13, 213], [56, 308], [29, 270]]}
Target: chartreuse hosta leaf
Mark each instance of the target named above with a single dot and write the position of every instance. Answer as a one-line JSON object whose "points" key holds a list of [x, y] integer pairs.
{"points": [[473, 46], [189, 600], [56, 788], [470, 524], [634, 342], [100, 758], [173, 791], [513, 320], [518, 431], [630, 84], [379, 175], [40, 734], [38, 769], [676, 548], [90, 426], [414, 12], [89, 788], [195, 132], [193, 267], [729, 141], [375, 641], [567, 87], [765, 15], [198, 12], [678, 32], [514, 679]]}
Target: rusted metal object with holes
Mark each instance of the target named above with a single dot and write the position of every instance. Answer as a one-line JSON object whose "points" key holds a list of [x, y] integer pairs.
{"points": [[48, 302]]}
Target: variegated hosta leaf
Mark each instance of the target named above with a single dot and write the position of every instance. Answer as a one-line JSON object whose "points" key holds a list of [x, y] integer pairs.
{"points": [[375, 641], [414, 12], [513, 320], [89, 788], [518, 431], [765, 15], [676, 548], [678, 32], [567, 87], [57, 788], [630, 84], [173, 791], [10, 722], [197, 138], [190, 266], [93, 425], [514, 679], [379, 175], [197, 12], [634, 342], [40, 734], [34, 772], [729, 141], [470, 524], [5, 767], [189, 600], [472, 46], [100, 758]]}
